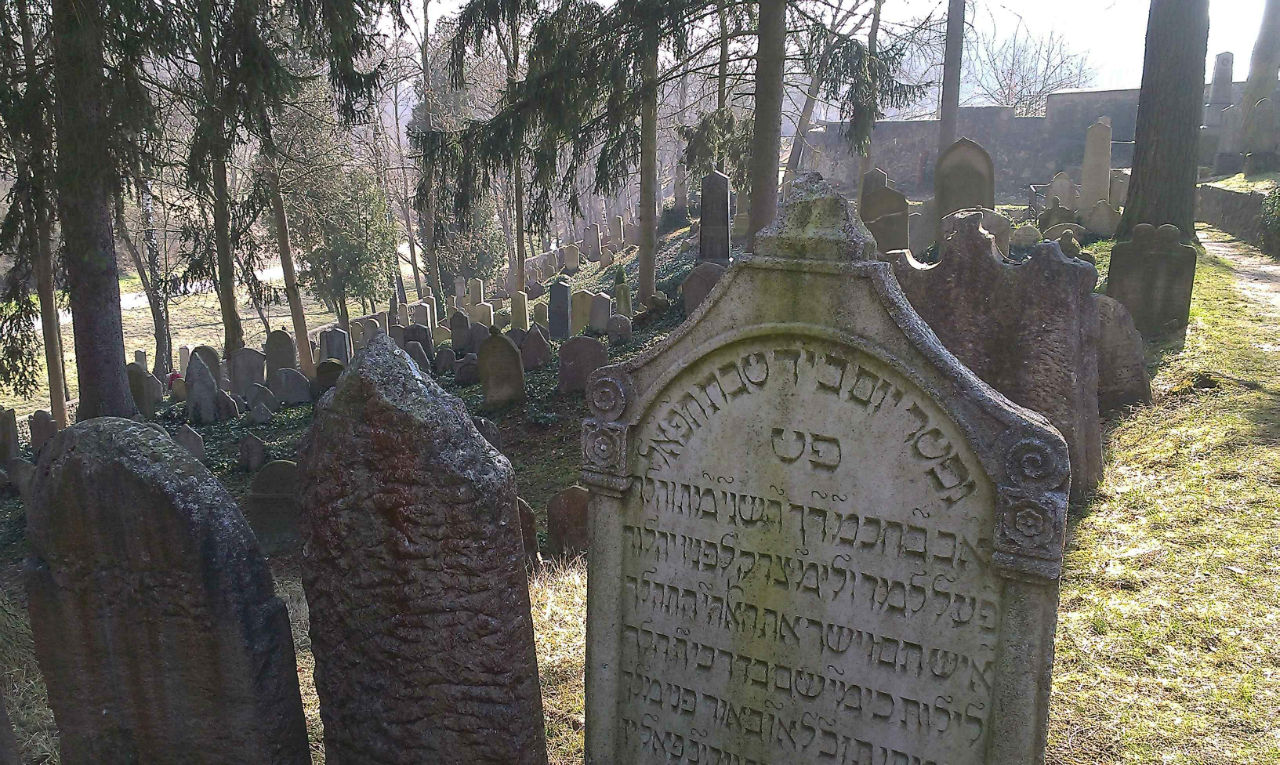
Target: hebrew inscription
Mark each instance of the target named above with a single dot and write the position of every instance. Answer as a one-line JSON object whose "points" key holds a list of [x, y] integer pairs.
{"points": [[806, 567]]}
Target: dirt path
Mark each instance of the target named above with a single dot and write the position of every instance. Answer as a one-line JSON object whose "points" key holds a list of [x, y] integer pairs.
{"points": [[1257, 275]]}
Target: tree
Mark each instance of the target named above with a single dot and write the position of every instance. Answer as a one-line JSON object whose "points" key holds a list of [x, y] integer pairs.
{"points": [[1166, 139], [1022, 69], [953, 58], [771, 54], [1264, 64]]}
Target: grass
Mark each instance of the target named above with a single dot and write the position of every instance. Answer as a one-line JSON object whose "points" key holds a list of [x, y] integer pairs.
{"points": [[1261, 183], [1167, 648]]}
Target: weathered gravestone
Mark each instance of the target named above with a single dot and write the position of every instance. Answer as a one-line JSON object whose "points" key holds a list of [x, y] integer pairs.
{"points": [[535, 349], [246, 368], [713, 230], [964, 178], [327, 374], [1055, 215], [558, 313], [1101, 220], [282, 352], [698, 284], [567, 522], [1261, 137], [271, 506], [1152, 275], [1230, 142], [501, 371], [156, 625], [334, 344], [874, 179], [212, 362], [885, 212], [1028, 329], [202, 393], [579, 357], [8, 436], [599, 311], [460, 332], [815, 537], [189, 439], [291, 387], [1065, 190], [579, 311], [414, 570], [1000, 228], [1095, 176], [1122, 371], [520, 310], [420, 334], [146, 390], [541, 315], [42, 429]]}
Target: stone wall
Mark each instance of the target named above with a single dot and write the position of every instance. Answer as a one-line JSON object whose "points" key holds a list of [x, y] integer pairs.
{"points": [[1239, 213]]}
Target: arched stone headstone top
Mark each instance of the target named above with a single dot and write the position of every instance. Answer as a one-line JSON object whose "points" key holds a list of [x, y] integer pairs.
{"points": [[806, 381], [964, 177]]}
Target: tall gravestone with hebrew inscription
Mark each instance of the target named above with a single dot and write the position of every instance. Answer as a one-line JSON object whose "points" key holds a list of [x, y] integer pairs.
{"points": [[815, 536]]}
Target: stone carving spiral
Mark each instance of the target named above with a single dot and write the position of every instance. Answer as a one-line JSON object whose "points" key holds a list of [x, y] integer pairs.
{"points": [[606, 397], [1034, 463]]}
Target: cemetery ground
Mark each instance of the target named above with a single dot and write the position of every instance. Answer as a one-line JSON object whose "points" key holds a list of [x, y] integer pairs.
{"points": [[1167, 644]]}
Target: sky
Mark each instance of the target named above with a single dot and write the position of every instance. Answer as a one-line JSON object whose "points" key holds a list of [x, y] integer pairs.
{"points": [[1110, 32]]}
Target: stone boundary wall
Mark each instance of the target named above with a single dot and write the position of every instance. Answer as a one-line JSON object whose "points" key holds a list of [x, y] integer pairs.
{"points": [[1239, 213]]}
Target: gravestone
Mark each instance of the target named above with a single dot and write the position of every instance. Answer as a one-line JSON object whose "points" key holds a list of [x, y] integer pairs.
{"points": [[189, 439], [600, 311], [1261, 137], [1230, 142], [213, 363], [1101, 220], [528, 531], [1095, 176], [579, 357], [591, 245], [501, 372], [535, 350], [271, 506], [282, 352], [1024, 237], [1221, 91], [1000, 228], [477, 335], [1071, 248], [481, 313], [178, 390], [541, 315], [697, 285], [964, 177], [146, 390], [291, 387], [418, 354], [440, 335], [397, 335], [1027, 329], [184, 357], [202, 393], [567, 522], [420, 334], [573, 258], [327, 374], [445, 361], [713, 230], [1152, 275], [466, 370], [1065, 190], [334, 344], [874, 179], [1054, 232], [580, 311], [253, 453], [622, 296], [475, 292], [885, 213], [42, 429], [873, 537], [520, 311], [359, 335], [558, 313], [460, 331], [414, 570], [1055, 215], [261, 394], [619, 329], [246, 368], [1119, 187], [156, 624], [1122, 371], [8, 436]]}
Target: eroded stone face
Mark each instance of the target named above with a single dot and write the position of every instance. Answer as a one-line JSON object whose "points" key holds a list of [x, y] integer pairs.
{"points": [[1152, 274], [156, 624], [414, 570], [814, 536]]}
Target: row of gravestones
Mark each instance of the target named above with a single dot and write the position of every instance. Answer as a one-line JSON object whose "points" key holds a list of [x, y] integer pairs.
{"points": [[158, 631]]}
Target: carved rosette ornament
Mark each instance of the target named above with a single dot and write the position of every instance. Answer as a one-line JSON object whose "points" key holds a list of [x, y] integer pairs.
{"points": [[1032, 511], [604, 436]]}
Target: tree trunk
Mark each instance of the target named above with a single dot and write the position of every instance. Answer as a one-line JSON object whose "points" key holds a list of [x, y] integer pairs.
{"points": [[163, 363], [305, 359], [953, 57], [84, 186], [155, 302], [681, 184], [767, 137], [232, 330], [802, 125], [872, 47], [649, 172], [1167, 136], [1264, 64], [40, 162]]}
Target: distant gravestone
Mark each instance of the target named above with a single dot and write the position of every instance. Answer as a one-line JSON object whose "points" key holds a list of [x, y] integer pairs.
{"points": [[261, 394], [334, 345], [535, 350], [271, 506], [567, 522], [189, 439], [1122, 371], [1053, 232], [466, 370], [156, 624], [1119, 187], [397, 335], [713, 230], [580, 311], [558, 312], [541, 315], [1095, 176], [246, 368], [482, 314], [591, 245], [520, 311], [291, 387], [445, 361], [449, 674], [1230, 142], [697, 285], [1152, 275], [477, 335], [1101, 220], [460, 332], [178, 390], [622, 296], [895, 528], [501, 372], [573, 258], [184, 357], [601, 310], [963, 178], [146, 390], [327, 374], [1029, 330], [872, 180], [253, 453], [418, 354], [282, 352], [1065, 190], [42, 429], [420, 334], [8, 436], [1024, 237], [1261, 137], [885, 212], [579, 357], [619, 329], [202, 393]]}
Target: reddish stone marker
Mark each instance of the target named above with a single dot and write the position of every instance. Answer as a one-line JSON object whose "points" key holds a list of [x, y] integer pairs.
{"points": [[414, 570], [155, 619]]}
